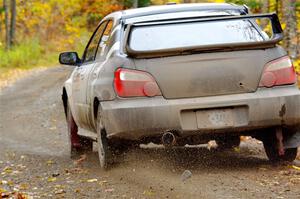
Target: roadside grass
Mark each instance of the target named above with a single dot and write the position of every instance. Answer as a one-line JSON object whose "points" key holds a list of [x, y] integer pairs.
{"points": [[30, 54], [27, 55]]}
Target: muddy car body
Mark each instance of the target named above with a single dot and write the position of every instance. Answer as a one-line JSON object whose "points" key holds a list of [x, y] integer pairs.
{"points": [[183, 74]]}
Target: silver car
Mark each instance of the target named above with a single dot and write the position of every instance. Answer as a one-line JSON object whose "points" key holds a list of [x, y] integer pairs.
{"points": [[183, 74]]}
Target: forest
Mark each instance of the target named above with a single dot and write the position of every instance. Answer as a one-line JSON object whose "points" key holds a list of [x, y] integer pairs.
{"points": [[33, 32]]}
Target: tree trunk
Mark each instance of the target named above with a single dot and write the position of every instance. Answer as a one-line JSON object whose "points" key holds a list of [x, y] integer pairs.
{"points": [[7, 35], [1, 23], [266, 6], [291, 28], [135, 3], [278, 6], [13, 21]]}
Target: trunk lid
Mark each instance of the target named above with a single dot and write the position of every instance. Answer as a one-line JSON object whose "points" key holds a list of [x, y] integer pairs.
{"points": [[209, 74]]}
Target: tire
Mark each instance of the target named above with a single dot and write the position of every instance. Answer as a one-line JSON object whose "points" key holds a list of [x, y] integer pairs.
{"points": [[105, 152], [271, 149], [78, 144], [228, 142]]}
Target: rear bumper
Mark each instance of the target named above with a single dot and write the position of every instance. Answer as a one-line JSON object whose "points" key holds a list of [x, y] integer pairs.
{"points": [[139, 117]]}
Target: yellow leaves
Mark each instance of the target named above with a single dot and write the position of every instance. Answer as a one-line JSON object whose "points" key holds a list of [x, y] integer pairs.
{"points": [[217, 1], [92, 180], [49, 162], [297, 65], [162, 2], [103, 182], [295, 167], [2, 190], [71, 29], [51, 179], [237, 149], [7, 170], [55, 22], [24, 186], [149, 193]]}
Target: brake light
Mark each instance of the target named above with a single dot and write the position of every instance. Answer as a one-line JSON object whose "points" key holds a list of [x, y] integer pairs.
{"points": [[134, 83], [278, 72]]}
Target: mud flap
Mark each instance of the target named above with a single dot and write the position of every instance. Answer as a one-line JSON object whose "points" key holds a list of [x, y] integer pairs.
{"points": [[293, 141]]}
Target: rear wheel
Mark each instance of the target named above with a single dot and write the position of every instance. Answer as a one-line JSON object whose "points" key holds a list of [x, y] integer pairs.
{"points": [[105, 151], [78, 144], [272, 150], [228, 142]]}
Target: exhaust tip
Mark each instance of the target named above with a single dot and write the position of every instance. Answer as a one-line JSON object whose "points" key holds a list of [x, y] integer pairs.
{"points": [[168, 139]]}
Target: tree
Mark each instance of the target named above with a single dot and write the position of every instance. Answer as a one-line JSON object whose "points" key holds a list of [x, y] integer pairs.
{"points": [[290, 19], [1, 11], [12, 22], [135, 3], [7, 35]]}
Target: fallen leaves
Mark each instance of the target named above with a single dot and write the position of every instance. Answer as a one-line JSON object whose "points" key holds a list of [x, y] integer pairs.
{"points": [[21, 196], [23, 186], [50, 162], [3, 182], [109, 190], [13, 75], [237, 149], [295, 167], [103, 182], [59, 191], [92, 180], [51, 179], [16, 195], [80, 160], [149, 193], [295, 180], [7, 170], [262, 168]]}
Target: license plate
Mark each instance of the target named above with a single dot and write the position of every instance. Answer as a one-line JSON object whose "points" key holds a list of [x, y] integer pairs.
{"points": [[215, 118]]}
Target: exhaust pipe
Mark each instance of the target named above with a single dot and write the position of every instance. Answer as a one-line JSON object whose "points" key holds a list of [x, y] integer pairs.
{"points": [[168, 139]]}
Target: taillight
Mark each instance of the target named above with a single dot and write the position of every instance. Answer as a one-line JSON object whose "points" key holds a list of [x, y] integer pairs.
{"points": [[134, 83], [278, 72]]}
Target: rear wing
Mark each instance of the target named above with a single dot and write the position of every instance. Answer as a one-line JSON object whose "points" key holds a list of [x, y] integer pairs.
{"points": [[277, 36]]}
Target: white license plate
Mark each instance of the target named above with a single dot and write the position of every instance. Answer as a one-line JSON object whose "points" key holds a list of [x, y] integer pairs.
{"points": [[216, 118]]}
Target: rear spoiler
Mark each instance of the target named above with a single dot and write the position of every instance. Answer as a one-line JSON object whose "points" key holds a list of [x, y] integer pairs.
{"points": [[276, 27]]}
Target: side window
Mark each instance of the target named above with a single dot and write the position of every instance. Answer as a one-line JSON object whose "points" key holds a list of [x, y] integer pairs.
{"points": [[105, 37], [91, 50]]}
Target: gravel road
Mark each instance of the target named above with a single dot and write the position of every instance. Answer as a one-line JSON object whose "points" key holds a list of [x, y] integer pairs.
{"points": [[34, 158]]}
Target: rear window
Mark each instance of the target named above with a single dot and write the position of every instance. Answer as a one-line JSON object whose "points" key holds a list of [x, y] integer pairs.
{"points": [[180, 35]]}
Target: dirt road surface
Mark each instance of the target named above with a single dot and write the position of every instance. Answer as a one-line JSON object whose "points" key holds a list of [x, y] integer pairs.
{"points": [[34, 158]]}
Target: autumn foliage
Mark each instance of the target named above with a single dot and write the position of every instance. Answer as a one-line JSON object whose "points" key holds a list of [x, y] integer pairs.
{"points": [[52, 26]]}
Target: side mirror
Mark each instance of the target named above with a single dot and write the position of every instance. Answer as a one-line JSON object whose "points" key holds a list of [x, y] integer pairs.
{"points": [[69, 58]]}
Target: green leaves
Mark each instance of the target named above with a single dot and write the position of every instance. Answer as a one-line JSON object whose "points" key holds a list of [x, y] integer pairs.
{"points": [[2, 10]]}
